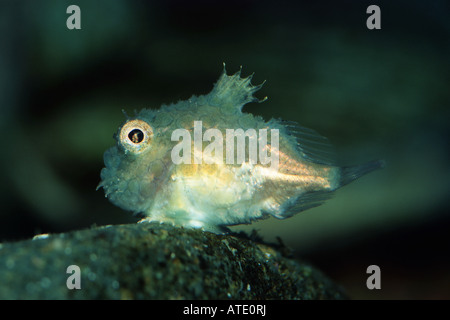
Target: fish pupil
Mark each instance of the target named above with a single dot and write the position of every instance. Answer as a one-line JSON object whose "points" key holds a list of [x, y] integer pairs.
{"points": [[136, 136]]}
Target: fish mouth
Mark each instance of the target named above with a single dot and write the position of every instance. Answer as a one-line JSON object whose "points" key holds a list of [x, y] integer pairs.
{"points": [[110, 175], [124, 189], [111, 160]]}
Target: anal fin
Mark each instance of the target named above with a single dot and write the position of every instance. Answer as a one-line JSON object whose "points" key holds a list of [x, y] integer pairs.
{"points": [[302, 202]]}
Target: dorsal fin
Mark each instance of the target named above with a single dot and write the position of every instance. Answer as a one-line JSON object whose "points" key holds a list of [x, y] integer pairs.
{"points": [[311, 145], [233, 91]]}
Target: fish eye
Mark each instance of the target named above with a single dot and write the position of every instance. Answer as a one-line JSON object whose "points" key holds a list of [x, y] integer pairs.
{"points": [[136, 135]]}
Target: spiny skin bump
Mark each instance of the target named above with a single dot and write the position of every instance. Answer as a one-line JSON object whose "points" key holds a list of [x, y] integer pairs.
{"points": [[140, 174]]}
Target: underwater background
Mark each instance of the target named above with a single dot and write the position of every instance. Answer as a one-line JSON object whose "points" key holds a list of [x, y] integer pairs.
{"points": [[376, 94]]}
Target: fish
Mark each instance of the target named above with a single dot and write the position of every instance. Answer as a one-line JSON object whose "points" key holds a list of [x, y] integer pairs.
{"points": [[204, 163]]}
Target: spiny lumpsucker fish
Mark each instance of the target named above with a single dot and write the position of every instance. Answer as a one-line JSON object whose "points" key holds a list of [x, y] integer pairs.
{"points": [[203, 163]]}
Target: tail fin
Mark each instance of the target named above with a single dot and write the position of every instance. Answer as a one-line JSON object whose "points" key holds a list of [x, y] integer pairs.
{"points": [[348, 174]]}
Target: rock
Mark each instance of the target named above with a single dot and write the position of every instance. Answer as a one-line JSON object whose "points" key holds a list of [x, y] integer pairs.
{"points": [[153, 261]]}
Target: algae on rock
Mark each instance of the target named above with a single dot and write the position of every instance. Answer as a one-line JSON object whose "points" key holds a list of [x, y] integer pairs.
{"points": [[155, 261]]}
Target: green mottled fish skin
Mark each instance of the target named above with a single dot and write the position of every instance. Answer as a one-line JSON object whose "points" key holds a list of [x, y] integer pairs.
{"points": [[213, 196]]}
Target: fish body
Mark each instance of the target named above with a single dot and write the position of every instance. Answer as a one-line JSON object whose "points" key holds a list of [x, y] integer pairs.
{"points": [[203, 163]]}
